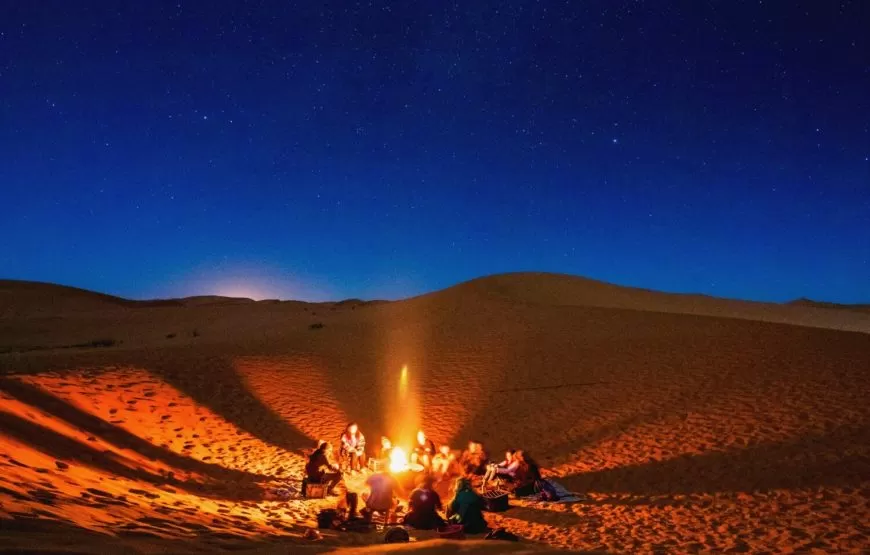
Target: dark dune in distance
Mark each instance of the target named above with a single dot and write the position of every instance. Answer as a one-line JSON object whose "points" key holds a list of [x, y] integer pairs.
{"points": [[20, 293], [836, 306], [62, 297], [35, 295]]}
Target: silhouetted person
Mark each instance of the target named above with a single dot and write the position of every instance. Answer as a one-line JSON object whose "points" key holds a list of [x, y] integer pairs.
{"points": [[319, 470], [424, 505], [383, 489]]}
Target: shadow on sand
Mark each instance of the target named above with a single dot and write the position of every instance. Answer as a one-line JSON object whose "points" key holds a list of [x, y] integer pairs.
{"points": [[65, 448], [50, 404], [837, 459], [210, 380], [215, 384], [143, 535]]}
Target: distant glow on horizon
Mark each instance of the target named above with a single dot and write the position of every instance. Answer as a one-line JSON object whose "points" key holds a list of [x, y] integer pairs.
{"points": [[253, 288], [243, 291], [247, 280]]}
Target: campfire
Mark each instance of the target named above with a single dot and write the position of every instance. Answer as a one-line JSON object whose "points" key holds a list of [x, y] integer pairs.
{"points": [[398, 460]]}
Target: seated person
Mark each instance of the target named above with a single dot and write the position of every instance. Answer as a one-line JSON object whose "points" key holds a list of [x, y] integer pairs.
{"points": [[444, 463], [474, 460], [527, 475], [353, 447], [423, 451], [383, 490], [319, 470], [385, 450], [423, 506], [466, 508], [505, 470]]}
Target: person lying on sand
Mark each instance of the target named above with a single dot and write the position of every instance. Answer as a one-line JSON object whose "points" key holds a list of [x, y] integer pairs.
{"points": [[353, 448], [423, 506], [319, 470], [423, 451], [474, 459], [466, 508]]}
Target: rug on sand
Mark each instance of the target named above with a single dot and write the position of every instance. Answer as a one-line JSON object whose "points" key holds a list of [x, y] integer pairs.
{"points": [[564, 496]]}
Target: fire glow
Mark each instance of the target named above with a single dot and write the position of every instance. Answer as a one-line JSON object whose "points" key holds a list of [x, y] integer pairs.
{"points": [[398, 460], [403, 413]]}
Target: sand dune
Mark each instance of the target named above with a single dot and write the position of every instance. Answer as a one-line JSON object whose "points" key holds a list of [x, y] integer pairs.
{"points": [[564, 290], [835, 306], [689, 424], [27, 299]]}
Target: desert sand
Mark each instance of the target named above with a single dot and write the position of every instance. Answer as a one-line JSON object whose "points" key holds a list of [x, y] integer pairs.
{"points": [[686, 423]]}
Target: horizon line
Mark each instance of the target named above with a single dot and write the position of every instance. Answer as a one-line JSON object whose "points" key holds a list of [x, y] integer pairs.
{"points": [[796, 300]]}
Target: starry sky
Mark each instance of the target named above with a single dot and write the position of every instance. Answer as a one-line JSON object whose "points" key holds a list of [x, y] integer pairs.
{"points": [[383, 149]]}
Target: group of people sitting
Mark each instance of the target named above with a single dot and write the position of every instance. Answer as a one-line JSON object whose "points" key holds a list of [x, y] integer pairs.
{"points": [[424, 503], [517, 473]]}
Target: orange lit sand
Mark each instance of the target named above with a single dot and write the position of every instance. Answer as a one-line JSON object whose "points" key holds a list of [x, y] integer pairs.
{"points": [[691, 424]]}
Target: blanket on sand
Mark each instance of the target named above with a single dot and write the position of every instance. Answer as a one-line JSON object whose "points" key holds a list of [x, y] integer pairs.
{"points": [[564, 495]]}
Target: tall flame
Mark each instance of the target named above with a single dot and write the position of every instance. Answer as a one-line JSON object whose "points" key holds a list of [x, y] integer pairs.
{"points": [[401, 410]]}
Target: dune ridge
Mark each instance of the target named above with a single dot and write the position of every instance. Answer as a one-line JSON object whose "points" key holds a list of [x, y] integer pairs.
{"points": [[835, 306], [22, 298]]}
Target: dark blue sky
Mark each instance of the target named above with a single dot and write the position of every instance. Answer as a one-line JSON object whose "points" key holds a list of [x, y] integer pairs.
{"points": [[302, 150]]}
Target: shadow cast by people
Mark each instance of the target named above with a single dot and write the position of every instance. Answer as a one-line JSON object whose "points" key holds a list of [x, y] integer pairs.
{"points": [[555, 519], [211, 380], [837, 459], [215, 383], [64, 448], [566, 449], [36, 397], [146, 534]]}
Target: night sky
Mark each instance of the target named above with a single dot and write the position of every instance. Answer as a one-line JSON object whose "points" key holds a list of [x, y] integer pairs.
{"points": [[305, 150]]}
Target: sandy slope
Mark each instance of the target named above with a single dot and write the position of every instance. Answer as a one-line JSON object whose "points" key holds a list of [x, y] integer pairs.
{"points": [[690, 424], [564, 290]]}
